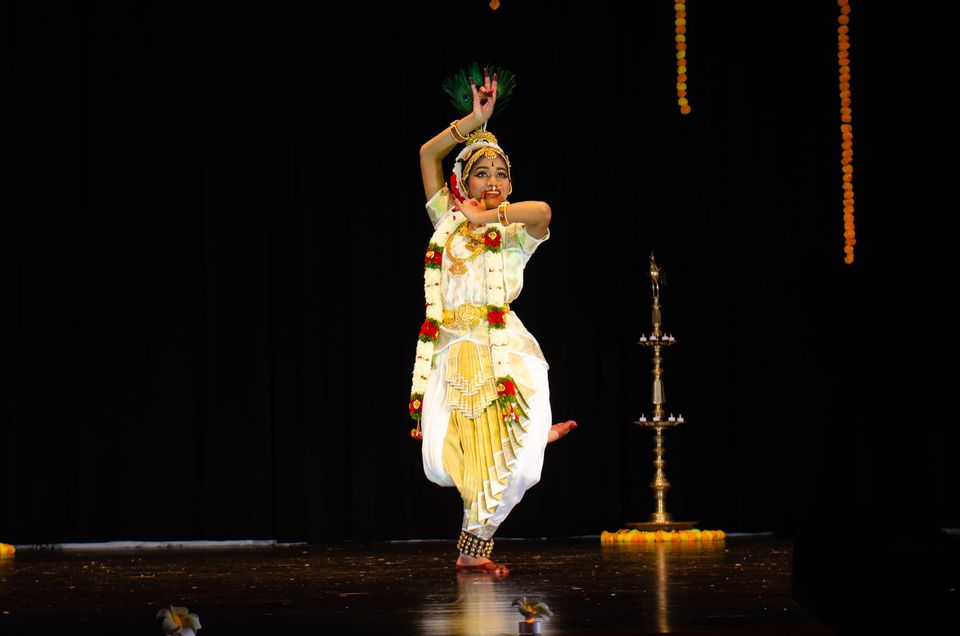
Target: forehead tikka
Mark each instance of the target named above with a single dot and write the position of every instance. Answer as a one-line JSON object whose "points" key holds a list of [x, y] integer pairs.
{"points": [[485, 151]]}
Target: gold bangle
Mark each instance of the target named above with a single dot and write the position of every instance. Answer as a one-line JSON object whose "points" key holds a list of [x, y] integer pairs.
{"points": [[458, 136], [502, 213]]}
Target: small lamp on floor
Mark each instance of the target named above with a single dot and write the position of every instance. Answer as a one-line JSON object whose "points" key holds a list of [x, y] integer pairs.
{"points": [[534, 611]]}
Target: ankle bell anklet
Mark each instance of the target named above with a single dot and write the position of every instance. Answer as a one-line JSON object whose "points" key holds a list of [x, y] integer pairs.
{"points": [[474, 546]]}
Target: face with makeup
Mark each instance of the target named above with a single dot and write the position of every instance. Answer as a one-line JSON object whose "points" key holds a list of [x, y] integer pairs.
{"points": [[489, 181]]}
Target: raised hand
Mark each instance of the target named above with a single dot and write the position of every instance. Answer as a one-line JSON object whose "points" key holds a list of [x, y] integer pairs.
{"points": [[484, 97]]}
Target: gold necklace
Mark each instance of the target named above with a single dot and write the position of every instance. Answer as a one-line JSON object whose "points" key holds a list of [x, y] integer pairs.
{"points": [[473, 243]]}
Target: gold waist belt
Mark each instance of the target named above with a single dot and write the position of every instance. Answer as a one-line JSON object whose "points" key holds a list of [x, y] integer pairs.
{"points": [[467, 316]]}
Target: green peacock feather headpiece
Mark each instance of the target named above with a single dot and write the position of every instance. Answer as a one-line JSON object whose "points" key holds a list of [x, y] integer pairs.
{"points": [[457, 86], [480, 142]]}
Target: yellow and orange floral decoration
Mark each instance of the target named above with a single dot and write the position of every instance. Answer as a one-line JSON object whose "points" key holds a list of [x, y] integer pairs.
{"points": [[680, 26], [846, 129], [662, 536]]}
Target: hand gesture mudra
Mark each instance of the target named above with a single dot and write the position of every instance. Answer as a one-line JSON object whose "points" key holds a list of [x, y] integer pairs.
{"points": [[484, 97], [470, 208]]}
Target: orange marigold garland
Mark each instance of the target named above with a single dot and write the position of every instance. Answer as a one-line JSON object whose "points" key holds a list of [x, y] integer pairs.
{"points": [[846, 129], [680, 24], [662, 536]]}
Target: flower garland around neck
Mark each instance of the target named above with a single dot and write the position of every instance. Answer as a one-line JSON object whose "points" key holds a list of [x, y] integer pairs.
{"points": [[510, 400]]}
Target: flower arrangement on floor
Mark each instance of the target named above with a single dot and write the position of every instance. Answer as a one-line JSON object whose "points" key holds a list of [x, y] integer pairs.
{"points": [[178, 621], [533, 609], [662, 536]]}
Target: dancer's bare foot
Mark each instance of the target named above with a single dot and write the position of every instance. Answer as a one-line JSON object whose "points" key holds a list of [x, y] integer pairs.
{"points": [[480, 564], [559, 430]]}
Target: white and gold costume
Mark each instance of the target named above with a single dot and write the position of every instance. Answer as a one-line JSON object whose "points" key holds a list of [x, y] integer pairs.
{"points": [[467, 440]]}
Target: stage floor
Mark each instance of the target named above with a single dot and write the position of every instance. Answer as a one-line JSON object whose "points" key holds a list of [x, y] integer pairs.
{"points": [[737, 586]]}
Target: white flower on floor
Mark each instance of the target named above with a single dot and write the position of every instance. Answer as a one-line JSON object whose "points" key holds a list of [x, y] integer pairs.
{"points": [[178, 621]]}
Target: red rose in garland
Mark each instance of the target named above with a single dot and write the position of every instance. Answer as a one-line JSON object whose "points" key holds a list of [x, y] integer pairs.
{"points": [[511, 401], [495, 317], [492, 240], [429, 330], [434, 257], [416, 405]]}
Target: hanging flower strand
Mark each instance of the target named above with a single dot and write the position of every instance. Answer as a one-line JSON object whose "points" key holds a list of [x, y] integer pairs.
{"points": [[846, 129], [680, 24]]}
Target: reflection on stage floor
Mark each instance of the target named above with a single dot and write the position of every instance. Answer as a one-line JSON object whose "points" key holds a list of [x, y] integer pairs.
{"points": [[737, 586]]}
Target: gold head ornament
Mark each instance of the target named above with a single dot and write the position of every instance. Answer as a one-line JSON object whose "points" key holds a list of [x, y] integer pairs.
{"points": [[481, 134], [479, 143], [484, 145]]}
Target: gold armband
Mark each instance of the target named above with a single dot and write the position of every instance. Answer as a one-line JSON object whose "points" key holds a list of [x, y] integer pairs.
{"points": [[458, 136]]}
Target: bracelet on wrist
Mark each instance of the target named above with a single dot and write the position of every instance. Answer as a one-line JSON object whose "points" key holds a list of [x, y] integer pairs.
{"points": [[458, 136], [502, 213]]}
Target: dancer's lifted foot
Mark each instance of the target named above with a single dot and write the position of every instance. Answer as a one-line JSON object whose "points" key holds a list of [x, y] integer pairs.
{"points": [[559, 430], [480, 564]]}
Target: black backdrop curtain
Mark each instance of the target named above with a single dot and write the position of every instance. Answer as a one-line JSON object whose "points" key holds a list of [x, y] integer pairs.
{"points": [[214, 238]]}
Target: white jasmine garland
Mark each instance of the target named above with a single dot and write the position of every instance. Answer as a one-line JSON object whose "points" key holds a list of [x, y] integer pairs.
{"points": [[433, 295]]}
